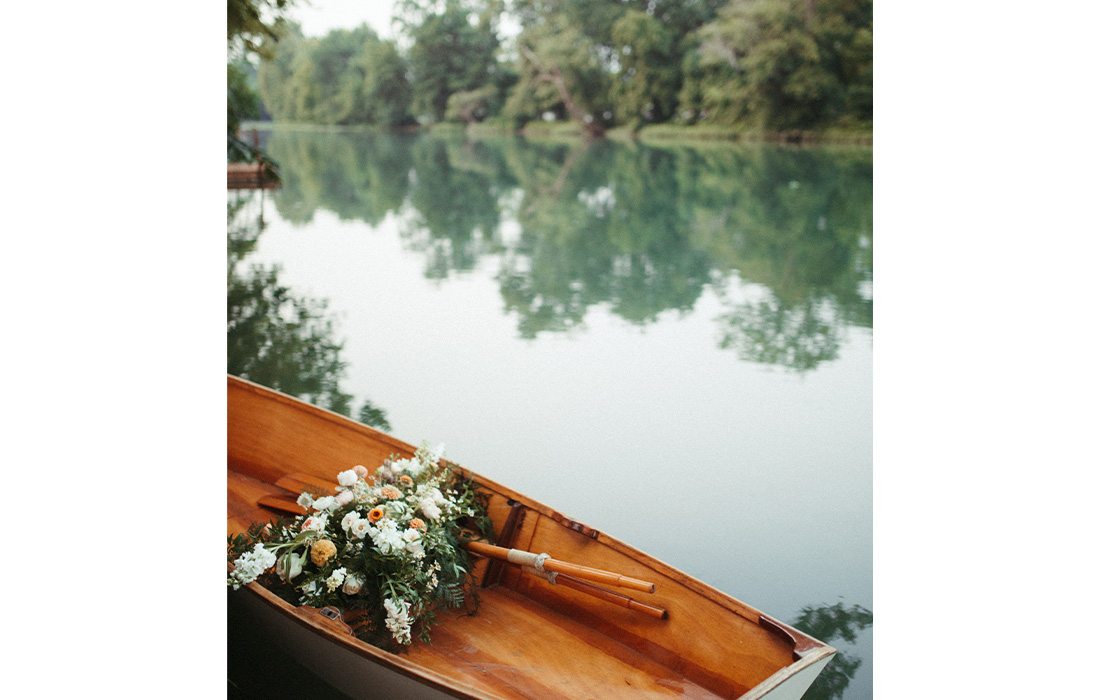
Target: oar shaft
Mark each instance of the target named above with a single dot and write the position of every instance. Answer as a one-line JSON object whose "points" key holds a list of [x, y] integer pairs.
{"points": [[518, 556], [612, 597]]}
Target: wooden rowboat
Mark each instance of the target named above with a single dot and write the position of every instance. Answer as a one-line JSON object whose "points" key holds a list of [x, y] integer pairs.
{"points": [[530, 638]]}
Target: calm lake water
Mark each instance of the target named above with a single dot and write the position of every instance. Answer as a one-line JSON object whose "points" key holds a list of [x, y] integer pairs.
{"points": [[670, 344]]}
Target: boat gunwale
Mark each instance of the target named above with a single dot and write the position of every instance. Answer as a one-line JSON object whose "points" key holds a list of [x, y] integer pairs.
{"points": [[806, 650]]}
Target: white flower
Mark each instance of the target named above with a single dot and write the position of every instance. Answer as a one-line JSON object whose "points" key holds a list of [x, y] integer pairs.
{"points": [[315, 522], [250, 565], [387, 537], [352, 584], [347, 478], [335, 579], [413, 545], [324, 503], [430, 509], [435, 453], [411, 467], [305, 500], [360, 470], [438, 497], [344, 497], [397, 620], [349, 520], [360, 528]]}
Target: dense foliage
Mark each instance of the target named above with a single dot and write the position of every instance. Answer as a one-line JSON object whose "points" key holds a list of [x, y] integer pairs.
{"points": [[252, 27], [348, 77], [762, 65]]}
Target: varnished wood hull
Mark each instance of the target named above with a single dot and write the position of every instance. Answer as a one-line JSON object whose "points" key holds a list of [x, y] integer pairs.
{"points": [[530, 638]]}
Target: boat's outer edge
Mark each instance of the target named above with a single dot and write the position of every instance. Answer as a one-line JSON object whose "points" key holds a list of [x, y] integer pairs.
{"points": [[812, 647], [376, 654], [774, 681]]}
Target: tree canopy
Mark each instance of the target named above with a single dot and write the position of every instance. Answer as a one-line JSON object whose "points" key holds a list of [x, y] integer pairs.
{"points": [[772, 65]]}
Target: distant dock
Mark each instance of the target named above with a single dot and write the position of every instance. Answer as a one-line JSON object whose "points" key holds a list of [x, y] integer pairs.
{"points": [[249, 176]]}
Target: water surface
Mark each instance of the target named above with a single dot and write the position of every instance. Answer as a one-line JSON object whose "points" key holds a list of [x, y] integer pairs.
{"points": [[670, 344]]}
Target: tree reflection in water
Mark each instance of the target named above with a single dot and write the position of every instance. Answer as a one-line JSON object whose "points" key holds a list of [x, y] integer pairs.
{"points": [[830, 623], [276, 338], [782, 237]]}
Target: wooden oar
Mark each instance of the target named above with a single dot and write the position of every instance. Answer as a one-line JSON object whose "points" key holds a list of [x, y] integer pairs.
{"points": [[602, 593], [518, 556]]}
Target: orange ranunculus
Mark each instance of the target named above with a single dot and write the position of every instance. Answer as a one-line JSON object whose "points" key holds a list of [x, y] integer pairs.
{"points": [[376, 514], [390, 492], [405, 480], [418, 524], [321, 552]]}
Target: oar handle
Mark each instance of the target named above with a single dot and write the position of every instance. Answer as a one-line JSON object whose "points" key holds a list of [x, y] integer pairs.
{"points": [[518, 556]]}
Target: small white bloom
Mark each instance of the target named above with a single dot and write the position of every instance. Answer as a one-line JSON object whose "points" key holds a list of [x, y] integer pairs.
{"points": [[360, 470], [248, 567], [324, 503], [397, 620], [438, 497], [335, 579], [347, 478], [305, 500], [411, 467], [430, 510], [349, 520], [360, 528], [344, 497], [315, 522], [413, 545], [352, 584], [387, 537], [436, 453]]}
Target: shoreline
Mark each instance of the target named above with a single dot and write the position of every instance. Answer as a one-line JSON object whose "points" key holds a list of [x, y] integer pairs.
{"points": [[655, 134]]}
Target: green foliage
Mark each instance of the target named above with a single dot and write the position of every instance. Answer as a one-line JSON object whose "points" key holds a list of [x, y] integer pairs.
{"points": [[242, 102], [561, 70], [452, 51], [781, 65], [252, 24], [760, 66], [347, 77], [473, 105], [648, 78]]}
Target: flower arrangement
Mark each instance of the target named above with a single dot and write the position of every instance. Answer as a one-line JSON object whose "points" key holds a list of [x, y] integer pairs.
{"points": [[386, 549]]}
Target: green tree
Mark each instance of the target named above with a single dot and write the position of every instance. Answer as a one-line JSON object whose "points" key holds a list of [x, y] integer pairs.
{"points": [[242, 102], [253, 24], [781, 64], [345, 77], [561, 71], [453, 49], [251, 27], [648, 79]]}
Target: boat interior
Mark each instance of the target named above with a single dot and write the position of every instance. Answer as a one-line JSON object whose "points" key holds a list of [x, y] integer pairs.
{"points": [[529, 638]]}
